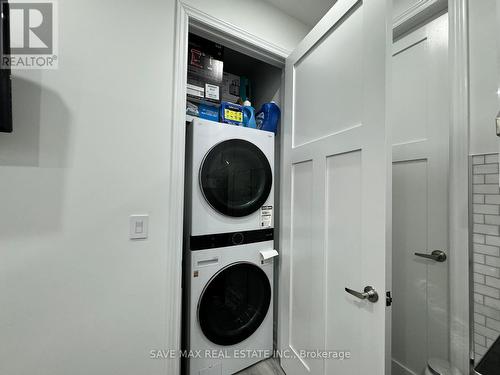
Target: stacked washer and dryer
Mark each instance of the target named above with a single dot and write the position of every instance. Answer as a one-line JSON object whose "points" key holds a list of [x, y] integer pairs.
{"points": [[229, 248]]}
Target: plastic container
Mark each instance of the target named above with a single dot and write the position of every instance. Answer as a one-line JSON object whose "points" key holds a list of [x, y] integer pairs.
{"points": [[249, 115], [268, 117]]}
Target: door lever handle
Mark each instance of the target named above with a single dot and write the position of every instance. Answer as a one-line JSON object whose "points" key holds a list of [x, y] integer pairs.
{"points": [[437, 255], [369, 293]]}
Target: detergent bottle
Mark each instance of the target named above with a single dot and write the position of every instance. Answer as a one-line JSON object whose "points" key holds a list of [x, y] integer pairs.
{"points": [[249, 115], [268, 117]]}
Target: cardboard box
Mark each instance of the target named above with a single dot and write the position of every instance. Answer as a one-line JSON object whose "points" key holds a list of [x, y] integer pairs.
{"points": [[230, 87], [209, 112], [204, 111], [231, 113], [205, 69]]}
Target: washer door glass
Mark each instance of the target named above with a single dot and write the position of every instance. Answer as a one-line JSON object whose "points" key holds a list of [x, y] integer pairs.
{"points": [[234, 304], [236, 177]]}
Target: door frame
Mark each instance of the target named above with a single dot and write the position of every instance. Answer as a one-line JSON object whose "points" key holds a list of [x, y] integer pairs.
{"points": [[459, 183], [236, 38], [458, 215]]}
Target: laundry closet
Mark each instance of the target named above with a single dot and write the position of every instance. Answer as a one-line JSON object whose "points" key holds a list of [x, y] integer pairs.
{"points": [[317, 203], [231, 206]]}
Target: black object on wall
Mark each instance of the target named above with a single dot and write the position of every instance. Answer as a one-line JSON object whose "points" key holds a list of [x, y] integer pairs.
{"points": [[5, 77]]}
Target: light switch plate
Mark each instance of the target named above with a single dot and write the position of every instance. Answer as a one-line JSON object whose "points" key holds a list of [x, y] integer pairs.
{"points": [[139, 227]]}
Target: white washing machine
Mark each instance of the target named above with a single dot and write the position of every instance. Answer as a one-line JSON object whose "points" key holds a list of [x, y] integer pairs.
{"points": [[229, 308], [229, 180]]}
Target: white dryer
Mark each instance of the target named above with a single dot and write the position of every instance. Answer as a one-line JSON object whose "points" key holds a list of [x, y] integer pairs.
{"points": [[229, 180], [229, 308]]}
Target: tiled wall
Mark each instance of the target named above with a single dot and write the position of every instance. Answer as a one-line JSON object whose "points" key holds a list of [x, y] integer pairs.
{"points": [[486, 251]]}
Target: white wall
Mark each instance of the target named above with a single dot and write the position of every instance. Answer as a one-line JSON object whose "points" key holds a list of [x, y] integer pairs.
{"points": [[258, 17], [90, 147], [483, 31]]}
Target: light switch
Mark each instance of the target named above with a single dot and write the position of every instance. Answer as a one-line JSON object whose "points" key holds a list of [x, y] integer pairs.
{"points": [[138, 227]]}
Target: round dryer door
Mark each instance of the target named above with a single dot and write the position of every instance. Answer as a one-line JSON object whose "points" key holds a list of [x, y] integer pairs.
{"points": [[236, 178], [234, 303]]}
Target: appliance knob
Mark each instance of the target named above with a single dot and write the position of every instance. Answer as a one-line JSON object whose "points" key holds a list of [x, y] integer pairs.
{"points": [[238, 238]]}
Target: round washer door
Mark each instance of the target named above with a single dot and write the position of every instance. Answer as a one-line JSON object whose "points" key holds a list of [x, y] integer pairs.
{"points": [[234, 303], [236, 178]]}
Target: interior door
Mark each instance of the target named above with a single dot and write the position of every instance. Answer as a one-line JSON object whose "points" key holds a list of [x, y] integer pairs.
{"points": [[336, 179], [420, 313]]}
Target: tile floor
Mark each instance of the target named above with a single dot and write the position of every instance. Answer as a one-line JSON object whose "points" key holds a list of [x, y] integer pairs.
{"points": [[267, 367]]}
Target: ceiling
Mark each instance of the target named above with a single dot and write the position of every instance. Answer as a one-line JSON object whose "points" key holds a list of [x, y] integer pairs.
{"points": [[308, 12]]}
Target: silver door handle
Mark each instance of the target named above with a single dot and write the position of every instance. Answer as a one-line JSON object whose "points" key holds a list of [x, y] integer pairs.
{"points": [[437, 255], [370, 294]]}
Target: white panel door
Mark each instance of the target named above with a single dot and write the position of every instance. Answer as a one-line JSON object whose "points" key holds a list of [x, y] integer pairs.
{"points": [[335, 189], [420, 328]]}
